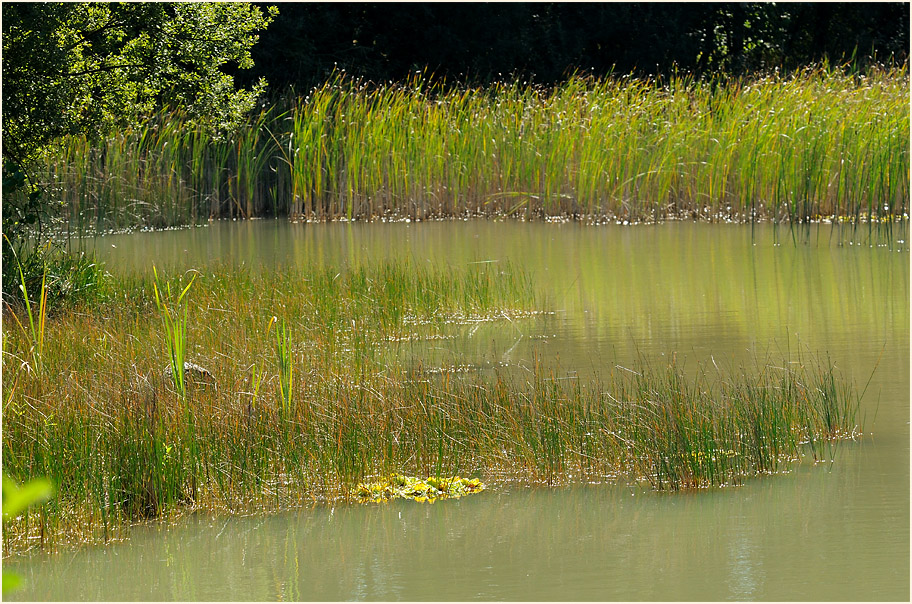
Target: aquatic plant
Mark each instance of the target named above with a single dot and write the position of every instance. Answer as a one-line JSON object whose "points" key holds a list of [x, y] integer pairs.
{"points": [[16, 499], [819, 144]]}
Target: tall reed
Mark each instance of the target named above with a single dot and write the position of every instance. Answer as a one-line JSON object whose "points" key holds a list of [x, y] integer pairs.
{"points": [[36, 320], [819, 144], [174, 321]]}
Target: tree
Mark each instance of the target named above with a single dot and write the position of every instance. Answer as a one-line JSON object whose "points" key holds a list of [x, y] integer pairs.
{"points": [[73, 68]]}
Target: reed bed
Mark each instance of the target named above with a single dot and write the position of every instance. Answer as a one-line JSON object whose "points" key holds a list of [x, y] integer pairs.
{"points": [[296, 395], [818, 144]]}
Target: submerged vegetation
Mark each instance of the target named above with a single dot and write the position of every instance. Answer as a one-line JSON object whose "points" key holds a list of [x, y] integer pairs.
{"points": [[818, 144], [329, 404]]}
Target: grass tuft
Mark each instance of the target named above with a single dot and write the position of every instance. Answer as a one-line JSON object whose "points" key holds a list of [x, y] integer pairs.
{"points": [[174, 321]]}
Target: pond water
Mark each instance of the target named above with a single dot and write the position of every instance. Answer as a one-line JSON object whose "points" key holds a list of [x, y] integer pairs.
{"points": [[705, 293]]}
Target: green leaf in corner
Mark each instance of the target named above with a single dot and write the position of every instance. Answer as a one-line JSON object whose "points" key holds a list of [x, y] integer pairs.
{"points": [[11, 581], [16, 498]]}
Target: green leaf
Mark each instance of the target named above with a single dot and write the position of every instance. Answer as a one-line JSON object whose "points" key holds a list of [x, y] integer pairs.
{"points": [[11, 581], [16, 498]]}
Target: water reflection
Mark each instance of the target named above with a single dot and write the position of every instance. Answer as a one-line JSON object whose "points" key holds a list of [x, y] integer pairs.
{"points": [[692, 289], [779, 538], [744, 576]]}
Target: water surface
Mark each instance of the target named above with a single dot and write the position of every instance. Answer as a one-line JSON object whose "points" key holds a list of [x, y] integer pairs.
{"points": [[703, 293]]}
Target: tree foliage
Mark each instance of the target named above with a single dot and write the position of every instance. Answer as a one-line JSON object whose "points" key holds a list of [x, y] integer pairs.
{"points": [[90, 67], [87, 67]]}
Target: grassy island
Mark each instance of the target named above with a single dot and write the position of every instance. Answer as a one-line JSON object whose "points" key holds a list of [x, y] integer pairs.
{"points": [[293, 393]]}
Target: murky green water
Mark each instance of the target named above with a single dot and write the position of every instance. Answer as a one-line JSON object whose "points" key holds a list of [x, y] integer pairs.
{"points": [[835, 531]]}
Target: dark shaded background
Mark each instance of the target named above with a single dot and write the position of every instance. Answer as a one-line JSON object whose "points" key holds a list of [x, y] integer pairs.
{"points": [[476, 43]]}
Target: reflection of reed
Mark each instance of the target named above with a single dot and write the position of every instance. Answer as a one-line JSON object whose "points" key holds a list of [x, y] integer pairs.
{"points": [[516, 543], [607, 283]]}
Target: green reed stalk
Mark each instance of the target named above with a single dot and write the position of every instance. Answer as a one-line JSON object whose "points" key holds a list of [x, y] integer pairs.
{"points": [[35, 332], [285, 366], [174, 321]]}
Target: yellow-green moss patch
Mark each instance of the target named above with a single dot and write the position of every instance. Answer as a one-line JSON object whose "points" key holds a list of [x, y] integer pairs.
{"points": [[409, 487]]}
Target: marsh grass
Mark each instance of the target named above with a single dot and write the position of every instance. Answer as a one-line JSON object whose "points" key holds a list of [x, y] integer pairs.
{"points": [[104, 424], [819, 144]]}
